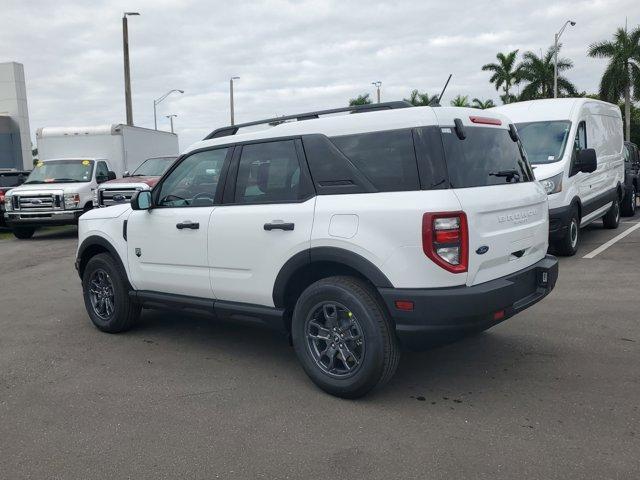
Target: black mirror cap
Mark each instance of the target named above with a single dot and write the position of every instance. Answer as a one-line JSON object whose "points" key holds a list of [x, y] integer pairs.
{"points": [[111, 175], [587, 160], [141, 200]]}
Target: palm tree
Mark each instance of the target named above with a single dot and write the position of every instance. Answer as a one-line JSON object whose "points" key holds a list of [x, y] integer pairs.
{"points": [[360, 100], [418, 99], [477, 103], [538, 71], [623, 71], [460, 101], [505, 72]]}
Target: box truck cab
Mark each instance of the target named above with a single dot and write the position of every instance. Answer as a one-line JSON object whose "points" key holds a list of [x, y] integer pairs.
{"points": [[576, 148], [75, 161]]}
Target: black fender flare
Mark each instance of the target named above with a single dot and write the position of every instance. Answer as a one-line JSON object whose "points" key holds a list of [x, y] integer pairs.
{"points": [[104, 244], [326, 254]]}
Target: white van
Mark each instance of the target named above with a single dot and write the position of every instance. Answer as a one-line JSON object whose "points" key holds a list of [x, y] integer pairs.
{"points": [[577, 151]]}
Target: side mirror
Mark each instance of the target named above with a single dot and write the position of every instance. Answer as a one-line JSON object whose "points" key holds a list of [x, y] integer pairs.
{"points": [[101, 178], [126, 173], [141, 200], [111, 175], [587, 161]]}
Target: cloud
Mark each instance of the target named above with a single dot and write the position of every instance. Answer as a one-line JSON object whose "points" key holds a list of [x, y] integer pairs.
{"points": [[292, 56]]}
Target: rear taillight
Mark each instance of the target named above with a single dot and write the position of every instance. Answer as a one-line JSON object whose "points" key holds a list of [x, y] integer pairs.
{"points": [[445, 240], [2, 192]]}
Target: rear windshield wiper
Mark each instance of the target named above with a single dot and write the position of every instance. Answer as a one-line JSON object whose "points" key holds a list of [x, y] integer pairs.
{"points": [[508, 174]]}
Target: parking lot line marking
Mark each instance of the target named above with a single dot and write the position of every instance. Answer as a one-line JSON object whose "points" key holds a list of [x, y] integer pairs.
{"points": [[615, 239]]}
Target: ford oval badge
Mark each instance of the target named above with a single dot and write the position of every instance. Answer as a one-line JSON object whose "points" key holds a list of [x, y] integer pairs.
{"points": [[482, 250]]}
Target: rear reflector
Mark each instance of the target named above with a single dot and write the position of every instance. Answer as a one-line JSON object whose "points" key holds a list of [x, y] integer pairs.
{"points": [[499, 315], [486, 120], [445, 240], [406, 305]]}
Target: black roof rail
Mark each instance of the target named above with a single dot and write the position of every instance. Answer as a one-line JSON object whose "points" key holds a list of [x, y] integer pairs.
{"points": [[233, 129]]}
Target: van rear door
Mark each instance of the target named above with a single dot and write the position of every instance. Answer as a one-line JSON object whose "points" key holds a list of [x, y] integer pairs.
{"points": [[506, 209]]}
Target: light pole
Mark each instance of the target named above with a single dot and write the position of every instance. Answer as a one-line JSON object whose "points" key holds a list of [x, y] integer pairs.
{"points": [[377, 84], [171, 117], [127, 71], [231, 96], [555, 56], [157, 102]]}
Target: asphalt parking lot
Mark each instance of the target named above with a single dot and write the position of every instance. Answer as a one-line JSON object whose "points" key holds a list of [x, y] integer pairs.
{"points": [[551, 393]]}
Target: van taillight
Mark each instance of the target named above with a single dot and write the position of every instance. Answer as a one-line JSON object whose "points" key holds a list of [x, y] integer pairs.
{"points": [[445, 240]]}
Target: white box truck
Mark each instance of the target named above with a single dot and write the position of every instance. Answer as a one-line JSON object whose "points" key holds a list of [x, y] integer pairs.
{"points": [[73, 162]]}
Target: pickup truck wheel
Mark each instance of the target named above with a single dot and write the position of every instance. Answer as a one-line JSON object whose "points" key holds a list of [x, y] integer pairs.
{"points": [[629, 202], [343, 337], [612, 219], [23, 233], [568, 245], [106, 295]]}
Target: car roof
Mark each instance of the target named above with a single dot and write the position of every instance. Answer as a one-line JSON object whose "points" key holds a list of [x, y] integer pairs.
{"points": [[553, 109], [349, 124]]}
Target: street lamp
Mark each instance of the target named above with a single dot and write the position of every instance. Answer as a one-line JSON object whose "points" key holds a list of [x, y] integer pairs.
{"points": [[231, 95], [127, 71], [157, 102], [171, 117], [555, 56], [377, 84]]}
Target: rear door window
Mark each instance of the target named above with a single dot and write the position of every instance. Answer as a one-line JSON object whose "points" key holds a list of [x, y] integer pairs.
{"points": [[386, 158], [487, 156]]}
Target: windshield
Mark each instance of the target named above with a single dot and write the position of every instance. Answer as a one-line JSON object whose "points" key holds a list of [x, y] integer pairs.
{"points": [[153, 167], [544, 142], [487, 156], [61, 171]]}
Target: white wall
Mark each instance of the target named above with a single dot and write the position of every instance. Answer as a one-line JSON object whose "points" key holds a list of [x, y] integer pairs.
{"points": [[13, 102]]}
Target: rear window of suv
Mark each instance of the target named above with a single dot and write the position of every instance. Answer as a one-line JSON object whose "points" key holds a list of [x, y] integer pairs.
{"points": [[487, 156], [386, 158]]}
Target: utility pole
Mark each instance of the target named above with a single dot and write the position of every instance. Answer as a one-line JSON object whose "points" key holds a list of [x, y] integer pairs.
{"points": [[555, 56], [171, 117], [127, 69], [157, 101], [231, 97], [377, 84]]}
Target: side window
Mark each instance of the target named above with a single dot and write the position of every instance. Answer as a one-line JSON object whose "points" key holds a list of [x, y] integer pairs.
{"points": [[102, 171], [194, 182], [581, 137], [268, 172], [387, 158]]}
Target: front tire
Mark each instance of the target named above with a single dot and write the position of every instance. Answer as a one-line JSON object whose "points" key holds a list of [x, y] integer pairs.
{"points": [[23, 233], [629, 202], [612, 219], [568, 245], [106, 295], [343, 337]]}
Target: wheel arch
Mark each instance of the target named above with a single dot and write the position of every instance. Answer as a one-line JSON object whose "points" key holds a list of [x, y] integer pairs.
{"points": [[311, 265], [95, 245]]}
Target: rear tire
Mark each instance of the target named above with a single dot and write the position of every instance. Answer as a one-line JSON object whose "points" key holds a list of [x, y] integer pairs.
{"points": [[23, 233], [106, 295], [568, 245], [360, 352], [612, 219], [629, 202]]}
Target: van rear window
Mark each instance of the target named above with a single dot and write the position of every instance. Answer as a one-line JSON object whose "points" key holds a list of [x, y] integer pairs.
{"points": [[487, 156], [386, 158]]}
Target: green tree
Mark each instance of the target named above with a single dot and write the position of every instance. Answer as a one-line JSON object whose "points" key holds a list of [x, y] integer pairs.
{"points": [[505, 73], [360, 100], [477, 103], [460, 101], [538, 71], [421, 99], [622, 74]]}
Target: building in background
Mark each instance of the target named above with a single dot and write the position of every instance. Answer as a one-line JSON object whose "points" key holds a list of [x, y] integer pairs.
{"points": [[15, 137]]}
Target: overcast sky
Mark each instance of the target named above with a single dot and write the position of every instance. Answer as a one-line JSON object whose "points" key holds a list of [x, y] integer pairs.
{"points": [[292, 56]]}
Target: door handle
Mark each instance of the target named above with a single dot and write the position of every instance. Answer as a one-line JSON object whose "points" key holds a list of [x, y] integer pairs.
{"points": [[188, 224], [279, 226]]}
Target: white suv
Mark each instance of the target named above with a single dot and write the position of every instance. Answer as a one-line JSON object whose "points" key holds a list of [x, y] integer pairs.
{"points": [[354, 234]]}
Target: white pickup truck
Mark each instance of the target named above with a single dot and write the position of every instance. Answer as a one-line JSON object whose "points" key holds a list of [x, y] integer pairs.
{"points": [[76, 160]]}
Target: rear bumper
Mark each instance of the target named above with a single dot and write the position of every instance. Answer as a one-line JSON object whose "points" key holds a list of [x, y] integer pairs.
{"points": [[42, 219], [442, 312]]}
